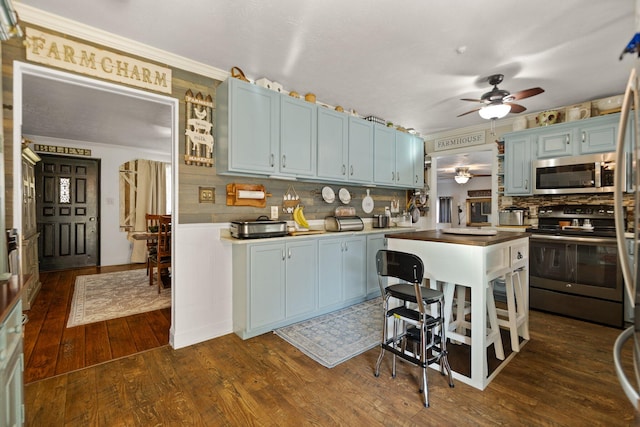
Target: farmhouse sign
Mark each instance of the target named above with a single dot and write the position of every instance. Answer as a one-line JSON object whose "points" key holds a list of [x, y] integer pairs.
{"points": [[82, 58], [459, 141]]}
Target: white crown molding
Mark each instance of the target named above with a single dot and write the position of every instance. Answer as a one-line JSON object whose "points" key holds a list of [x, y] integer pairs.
{"points": [[48, 20]]}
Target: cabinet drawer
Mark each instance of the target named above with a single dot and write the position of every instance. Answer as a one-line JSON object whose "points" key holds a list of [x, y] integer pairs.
{"points": [[519, 254]]}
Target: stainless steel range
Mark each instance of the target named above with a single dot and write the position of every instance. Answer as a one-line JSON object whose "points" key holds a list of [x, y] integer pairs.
{"points": [[574, 266]]}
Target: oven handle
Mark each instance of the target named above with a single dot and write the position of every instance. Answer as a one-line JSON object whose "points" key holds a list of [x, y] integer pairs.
{"points": [[575, 239]]}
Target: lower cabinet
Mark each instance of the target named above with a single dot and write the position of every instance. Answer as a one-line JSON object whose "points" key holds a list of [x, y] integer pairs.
{"points": [[276, 284], [342, 270], [375, 242], [11, 369]]}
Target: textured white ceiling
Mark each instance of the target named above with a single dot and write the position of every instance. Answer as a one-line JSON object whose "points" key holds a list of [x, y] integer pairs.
{"points": [[400, 61]]}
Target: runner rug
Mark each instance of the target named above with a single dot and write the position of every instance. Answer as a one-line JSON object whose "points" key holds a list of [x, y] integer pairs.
{"points": [[99, 297], [336, 337]]}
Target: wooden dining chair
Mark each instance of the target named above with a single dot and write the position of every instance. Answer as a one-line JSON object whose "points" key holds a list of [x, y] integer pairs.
{"points": [[152, 220], [161, 259]]}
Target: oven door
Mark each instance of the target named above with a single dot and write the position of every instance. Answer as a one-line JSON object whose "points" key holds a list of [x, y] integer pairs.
{"points": [[575, 265]]}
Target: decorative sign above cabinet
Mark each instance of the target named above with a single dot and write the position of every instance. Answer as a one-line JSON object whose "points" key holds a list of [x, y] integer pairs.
{"points": [[459, 141], [48, 49]]}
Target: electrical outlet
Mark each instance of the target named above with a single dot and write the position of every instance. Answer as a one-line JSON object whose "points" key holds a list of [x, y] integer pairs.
{"points": [[274, 212]]}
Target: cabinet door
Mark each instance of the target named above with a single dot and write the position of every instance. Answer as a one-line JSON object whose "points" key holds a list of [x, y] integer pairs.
{"points": [[598, 137], [253, 128], [330, 271], [301, 277], [333, 143], [354, 267], [418, 162], [298, 133], [267, 279], [384, 154], [517, 165], [405, 153], [555, 143], [360, 167], [375, 242]]}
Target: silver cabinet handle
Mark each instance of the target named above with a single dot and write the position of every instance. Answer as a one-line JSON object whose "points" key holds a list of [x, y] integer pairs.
{"points": [[351, 170], [289, 253], [393, 176], [584, 136], [344, 169], [283, 256], [526, 184], [284, 161], [567, 139], [271, 159]]}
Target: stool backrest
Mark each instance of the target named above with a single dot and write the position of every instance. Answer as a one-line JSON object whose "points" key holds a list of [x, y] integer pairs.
{"points": [[401, 265]]}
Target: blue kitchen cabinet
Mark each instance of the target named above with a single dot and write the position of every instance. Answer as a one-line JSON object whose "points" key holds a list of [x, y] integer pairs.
{"points": [[405, 152], [588, 136], [360, 167], [375, 242], [418, 162], [298, 137], [247, 128], [301, 277], [341, 270], [333, 144], [517, 164], [266, 284], [384, 154]]}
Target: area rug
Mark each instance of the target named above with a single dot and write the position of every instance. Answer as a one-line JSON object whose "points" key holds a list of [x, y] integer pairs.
{"points": [[99, 297], [336, 337]]}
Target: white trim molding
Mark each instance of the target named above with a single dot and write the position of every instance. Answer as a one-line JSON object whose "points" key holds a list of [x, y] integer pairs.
{"points": [[67, 26]]}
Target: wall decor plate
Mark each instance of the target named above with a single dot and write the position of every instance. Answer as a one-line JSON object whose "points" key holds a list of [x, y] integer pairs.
{"points": [[344, 195], [328, 195], [367, 203]]}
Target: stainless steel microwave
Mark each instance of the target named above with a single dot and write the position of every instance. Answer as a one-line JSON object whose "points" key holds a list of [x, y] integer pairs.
{"points": [[592, 173]]}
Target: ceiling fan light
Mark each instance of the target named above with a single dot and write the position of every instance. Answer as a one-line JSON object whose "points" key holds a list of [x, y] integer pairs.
{"points": [[494, 111], [461, 179]]}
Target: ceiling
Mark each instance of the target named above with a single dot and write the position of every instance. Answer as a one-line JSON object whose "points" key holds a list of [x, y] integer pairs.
{"points": [[408, 62]]}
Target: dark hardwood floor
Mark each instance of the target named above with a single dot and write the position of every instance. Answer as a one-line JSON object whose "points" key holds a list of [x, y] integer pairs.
{"points": [[564, 376], [50, 348]]}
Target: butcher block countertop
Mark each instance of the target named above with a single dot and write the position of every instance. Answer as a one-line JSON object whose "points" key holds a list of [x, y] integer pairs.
{"points": [[460, 239]]}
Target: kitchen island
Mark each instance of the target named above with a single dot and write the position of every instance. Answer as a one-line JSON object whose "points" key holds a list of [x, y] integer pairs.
{"points": [[472, 261]]}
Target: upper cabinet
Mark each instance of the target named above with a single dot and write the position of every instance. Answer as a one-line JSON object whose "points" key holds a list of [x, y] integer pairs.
{"points": [[360, 151], [517, 164], [260, 132], [399, 158], [595, 135]]}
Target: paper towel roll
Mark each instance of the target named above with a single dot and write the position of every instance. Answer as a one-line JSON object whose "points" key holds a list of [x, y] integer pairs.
{"points": [[248, 194]]}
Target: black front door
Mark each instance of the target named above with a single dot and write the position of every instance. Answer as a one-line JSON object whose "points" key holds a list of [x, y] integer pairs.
{"points": [[67, 194]]}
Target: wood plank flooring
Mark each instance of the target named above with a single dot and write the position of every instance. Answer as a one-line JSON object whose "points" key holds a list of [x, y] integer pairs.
{"points": [[50, 348], [564, 376]]}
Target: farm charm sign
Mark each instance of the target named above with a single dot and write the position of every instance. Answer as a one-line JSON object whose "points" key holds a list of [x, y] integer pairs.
{"points": [[198, 148], [81, 58]]}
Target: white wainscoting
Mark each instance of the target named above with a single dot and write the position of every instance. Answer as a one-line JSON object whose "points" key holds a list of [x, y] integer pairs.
{"points": [[202, 285]]}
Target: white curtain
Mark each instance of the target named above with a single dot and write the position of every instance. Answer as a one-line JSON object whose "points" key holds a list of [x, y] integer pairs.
{"points": [[151, 178]]}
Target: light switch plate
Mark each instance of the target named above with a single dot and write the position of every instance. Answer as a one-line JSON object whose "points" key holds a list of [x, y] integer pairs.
{"points": [[274, 212]]}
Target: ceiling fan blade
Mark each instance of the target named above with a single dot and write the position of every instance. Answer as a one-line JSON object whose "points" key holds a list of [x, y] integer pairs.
{"points": [[515, 108], [524, 94], [468, 112], [472, 100]]}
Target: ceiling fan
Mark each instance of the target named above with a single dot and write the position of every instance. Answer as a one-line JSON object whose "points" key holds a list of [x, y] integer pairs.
{"points": [[498, 102], [463, 175]]}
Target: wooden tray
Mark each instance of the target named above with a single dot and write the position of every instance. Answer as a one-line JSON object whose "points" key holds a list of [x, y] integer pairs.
{"points": [[304, 233]]}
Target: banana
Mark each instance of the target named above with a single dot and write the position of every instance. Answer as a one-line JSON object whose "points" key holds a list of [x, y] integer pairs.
{"points": [[298, 216]]}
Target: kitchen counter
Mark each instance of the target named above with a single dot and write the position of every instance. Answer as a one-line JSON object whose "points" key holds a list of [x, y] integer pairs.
{"points": [[225, 236], [472, 261], [10, 294], [461, 239]]}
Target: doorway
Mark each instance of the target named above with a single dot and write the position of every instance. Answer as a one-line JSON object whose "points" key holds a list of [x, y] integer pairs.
{"points": [[67, 206]]}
